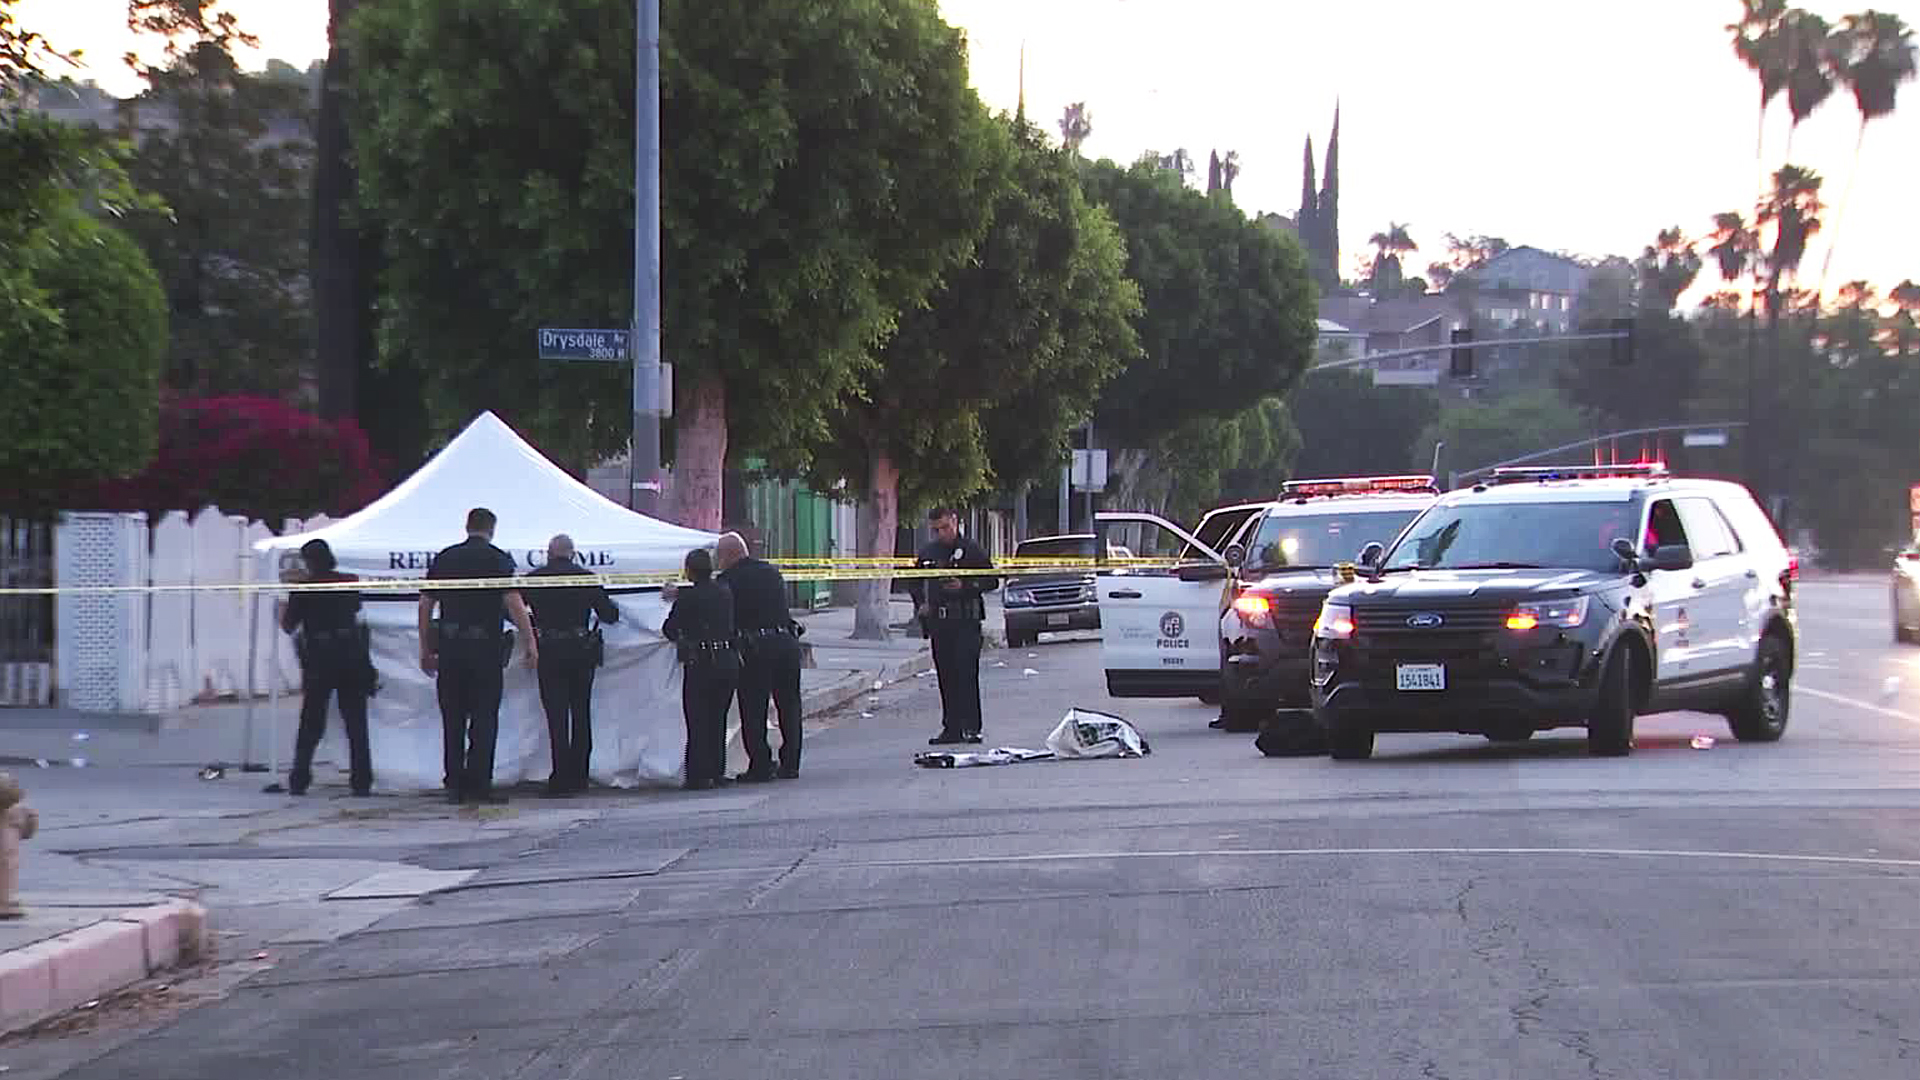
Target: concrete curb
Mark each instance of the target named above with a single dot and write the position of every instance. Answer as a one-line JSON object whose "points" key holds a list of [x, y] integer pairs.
{"points": [[828, 698], [49, 977]]}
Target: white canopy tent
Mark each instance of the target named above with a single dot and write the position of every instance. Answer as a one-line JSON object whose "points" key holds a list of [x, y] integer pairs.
{"points": [[638, 732]]}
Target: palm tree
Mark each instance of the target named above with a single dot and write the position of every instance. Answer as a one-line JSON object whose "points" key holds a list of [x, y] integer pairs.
{"points": [[1811, 50], [1757, 42], [1076, 124], [1876, 56], [1793, 210], [1394, 242], [1904, 327], [1229, 171]]}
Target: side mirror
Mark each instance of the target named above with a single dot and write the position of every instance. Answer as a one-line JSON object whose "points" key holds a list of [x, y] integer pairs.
{"points": [[1673, 557], [1373, 555], [1623, 547], [1236, 555], [1202, 572]]}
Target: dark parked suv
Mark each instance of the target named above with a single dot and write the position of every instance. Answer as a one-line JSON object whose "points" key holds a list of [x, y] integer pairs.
{"points": [[1284, 567], [1575, 597], [1043, 602]]}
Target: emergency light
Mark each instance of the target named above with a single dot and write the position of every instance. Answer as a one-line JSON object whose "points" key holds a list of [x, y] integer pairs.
{"points": [[1652, 470], [1357, 485]]}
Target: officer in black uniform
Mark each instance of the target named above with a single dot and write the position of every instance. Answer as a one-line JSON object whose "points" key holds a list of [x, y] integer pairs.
{"points": [[701, 625], [569, 654], [769, 658], [333, 662], [951, 612], [468, 650]]}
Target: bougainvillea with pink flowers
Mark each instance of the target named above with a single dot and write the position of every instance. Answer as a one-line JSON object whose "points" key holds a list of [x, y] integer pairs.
{"points": [[252, 456]]}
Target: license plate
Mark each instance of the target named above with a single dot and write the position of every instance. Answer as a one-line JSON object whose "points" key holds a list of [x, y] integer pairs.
{"points": [[1420, 676], [1059, 620]]}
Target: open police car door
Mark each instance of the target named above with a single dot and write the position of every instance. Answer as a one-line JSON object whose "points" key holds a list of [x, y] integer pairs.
{"points": [[1159, 626]]}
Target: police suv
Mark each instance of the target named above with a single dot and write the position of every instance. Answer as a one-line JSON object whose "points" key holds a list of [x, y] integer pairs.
{"points": [[1563, 597], [1289, 559]]}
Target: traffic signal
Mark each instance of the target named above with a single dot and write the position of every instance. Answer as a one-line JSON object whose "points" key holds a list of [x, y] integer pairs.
{"points": [[1462, 355], [1622, 347]]}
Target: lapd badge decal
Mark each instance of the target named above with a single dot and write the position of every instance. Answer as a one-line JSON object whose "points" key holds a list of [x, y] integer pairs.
{"points": [[1172, 625]]}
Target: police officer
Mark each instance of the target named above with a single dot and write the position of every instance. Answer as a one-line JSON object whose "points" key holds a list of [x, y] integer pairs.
{"points": [[468, 651], [333, 662], [701, 625], [951, 611], [769, 658], [569, 653]]}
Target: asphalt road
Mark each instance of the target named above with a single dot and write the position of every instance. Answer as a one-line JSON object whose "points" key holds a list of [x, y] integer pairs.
{"points": [[1448, 909]]}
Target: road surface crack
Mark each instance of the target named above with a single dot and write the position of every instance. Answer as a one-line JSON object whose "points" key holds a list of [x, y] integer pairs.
{"points": [[768, 886]]}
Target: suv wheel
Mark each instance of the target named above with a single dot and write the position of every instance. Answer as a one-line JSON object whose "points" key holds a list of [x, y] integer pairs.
{"points": [[1510, 734], [1761, 713], [1610, 728], [1240, 717], [1350, 740]]}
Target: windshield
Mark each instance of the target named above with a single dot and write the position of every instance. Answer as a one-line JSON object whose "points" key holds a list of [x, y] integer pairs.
{"points": [[1556, 535], [1295, 540], [1072, 547]]}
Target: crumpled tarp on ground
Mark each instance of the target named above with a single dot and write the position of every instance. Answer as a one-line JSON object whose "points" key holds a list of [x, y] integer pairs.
{"points": [[1082, 733]]}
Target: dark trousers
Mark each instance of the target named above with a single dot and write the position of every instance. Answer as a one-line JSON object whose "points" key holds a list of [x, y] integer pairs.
{"points": [[566, 695], [706, 688], [470, 684], [771, 669], [956, 657], [321, 680]]}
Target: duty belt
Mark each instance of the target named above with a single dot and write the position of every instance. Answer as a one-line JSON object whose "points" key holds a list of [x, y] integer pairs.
{"points": [[768, 631], [562, 635], [468, 632], [708, 646], [338, 633], [956, 611]]}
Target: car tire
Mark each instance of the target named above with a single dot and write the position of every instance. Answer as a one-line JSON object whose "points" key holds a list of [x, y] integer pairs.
{"points": [[1210, 697], [1761, 713], [1016, 640], [1349, 739], [1516, 734], [1610, 728]]}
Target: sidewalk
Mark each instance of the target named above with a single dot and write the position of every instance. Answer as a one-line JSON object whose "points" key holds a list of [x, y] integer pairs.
{"points": [[140, 865]]}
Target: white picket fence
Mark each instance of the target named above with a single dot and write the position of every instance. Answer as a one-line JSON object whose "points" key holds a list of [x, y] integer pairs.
{"points": [[158, 651]]}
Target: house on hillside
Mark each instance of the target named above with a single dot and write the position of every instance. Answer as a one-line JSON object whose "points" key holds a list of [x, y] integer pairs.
{"points": [[1524, 287], [1359, 325]]}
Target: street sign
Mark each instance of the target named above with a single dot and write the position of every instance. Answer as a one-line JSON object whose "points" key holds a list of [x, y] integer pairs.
{"points": [[1704, 438], [1090, 470], [612, 346]]}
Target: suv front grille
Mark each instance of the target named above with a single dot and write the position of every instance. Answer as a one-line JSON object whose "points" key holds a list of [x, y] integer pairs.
{"points": [[1050, 595], [1456, 623]]}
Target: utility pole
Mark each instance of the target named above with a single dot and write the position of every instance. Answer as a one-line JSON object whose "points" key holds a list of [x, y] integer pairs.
{"points": [[645, 496]]}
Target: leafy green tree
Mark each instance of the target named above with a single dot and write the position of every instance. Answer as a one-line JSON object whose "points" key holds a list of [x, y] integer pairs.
{"points": [[822, 167], [1350, 427], [229, 154], [1479, 433], [1228, 313], [84, 327], [979, 386]]}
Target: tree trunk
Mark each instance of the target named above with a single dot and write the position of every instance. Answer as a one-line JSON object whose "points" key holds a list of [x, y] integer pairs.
{"points": [[700, 454], [871, 614], [334, 246]]}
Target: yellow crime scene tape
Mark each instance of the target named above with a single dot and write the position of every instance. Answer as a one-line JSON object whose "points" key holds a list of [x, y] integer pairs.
{"points": [[796, 571]]}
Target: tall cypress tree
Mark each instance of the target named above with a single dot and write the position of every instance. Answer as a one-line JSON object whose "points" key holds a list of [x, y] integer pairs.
{"points": [[1308, 221], [1329, 206]]}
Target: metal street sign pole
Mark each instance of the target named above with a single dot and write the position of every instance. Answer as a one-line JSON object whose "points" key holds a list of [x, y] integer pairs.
{"points": [[645, 492]]}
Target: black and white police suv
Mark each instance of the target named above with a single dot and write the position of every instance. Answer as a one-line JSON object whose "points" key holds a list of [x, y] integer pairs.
{"points": [[1563, 597], [1287, 563]]}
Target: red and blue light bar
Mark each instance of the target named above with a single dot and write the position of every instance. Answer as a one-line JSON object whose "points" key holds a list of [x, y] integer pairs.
{"points": [[1358, 485], [1650, 470]]}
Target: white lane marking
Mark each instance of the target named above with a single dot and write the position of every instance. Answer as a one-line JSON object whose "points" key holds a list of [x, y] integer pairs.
{"points": [[1244, 853], [1802, 688]]}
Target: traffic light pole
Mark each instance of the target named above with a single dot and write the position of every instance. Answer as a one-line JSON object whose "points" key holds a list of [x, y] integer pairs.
{"points": [[645, 494], [1447, 347], [1538, 454]]}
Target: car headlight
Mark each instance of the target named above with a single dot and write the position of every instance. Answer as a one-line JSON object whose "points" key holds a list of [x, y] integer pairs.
{"points": [[1557, 614], [1335, 621], [1255, 611], [1016, 597]]}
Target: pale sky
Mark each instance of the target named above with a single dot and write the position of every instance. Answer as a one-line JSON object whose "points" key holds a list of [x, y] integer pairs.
{"points": [[1578, 127]]}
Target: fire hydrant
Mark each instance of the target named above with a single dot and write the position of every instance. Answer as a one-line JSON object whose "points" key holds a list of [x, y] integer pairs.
{"points": [[17, 822]]}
